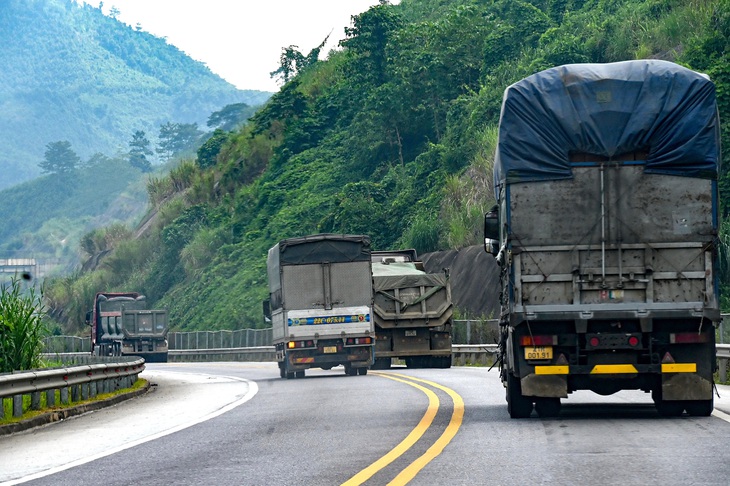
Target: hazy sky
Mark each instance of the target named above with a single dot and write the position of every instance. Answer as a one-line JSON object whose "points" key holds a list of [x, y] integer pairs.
{"points": [[241, 40]]}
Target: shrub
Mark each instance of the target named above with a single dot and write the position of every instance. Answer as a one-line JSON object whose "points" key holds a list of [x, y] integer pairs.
{"points": [[21, 327]]}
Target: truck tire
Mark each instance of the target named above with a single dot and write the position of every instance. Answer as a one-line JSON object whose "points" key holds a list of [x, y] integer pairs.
{"points": [[547, 407], [700, 408], [382, 364], [667, 408], [518, 406], [441, 362], [362, 371]]}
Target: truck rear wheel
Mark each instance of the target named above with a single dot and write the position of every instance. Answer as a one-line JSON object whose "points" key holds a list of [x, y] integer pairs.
{"points": [[667, 408], [518, 406], [382, 364], [362, 371], [547, 407], [700, 408]]}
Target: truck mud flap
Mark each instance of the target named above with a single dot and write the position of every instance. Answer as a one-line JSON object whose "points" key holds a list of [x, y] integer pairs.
{"points": [[685, 386], [544, 386]]}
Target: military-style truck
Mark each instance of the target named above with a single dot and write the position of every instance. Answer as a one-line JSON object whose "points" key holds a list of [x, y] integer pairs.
{"points": [[320, 303], [412, 311], [606, 230], [122, 324]]}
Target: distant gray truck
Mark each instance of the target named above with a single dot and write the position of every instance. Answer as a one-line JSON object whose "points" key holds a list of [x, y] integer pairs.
{"points": [[122, 324], [412, 310], [320, 303], [606, 230]]}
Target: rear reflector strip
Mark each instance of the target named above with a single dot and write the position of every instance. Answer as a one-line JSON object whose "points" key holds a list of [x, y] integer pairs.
{"points": [[688, 337], [539, 340], [679, 368], [551, 370], [613, 369]]}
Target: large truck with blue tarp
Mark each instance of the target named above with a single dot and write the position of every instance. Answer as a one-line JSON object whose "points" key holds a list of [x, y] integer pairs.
{"points": [[412, 311], [606, 230], [320, 303]]}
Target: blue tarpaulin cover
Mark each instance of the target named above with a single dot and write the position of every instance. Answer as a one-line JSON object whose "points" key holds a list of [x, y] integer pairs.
{"points": [[608, 110]]}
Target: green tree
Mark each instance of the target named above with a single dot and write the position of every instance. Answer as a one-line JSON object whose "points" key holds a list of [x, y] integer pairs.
{"points": [[208, 152], [139, 149], [292, 62], [230, 117], [176, 138], [367, 40], [59, 158]]}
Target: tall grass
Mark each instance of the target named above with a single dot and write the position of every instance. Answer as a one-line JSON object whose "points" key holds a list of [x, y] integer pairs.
{"points": [[21, 327]]}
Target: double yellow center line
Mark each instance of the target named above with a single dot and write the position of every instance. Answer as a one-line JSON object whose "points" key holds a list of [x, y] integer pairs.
{"points": [[415, 467]]}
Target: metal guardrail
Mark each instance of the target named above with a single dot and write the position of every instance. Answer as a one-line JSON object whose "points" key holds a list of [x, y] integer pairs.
{"points": [[258, 353], [82, 381], [723, 356]]}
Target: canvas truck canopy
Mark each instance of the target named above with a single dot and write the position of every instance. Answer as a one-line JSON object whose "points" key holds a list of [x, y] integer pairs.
{"points": [[319, 248], [659, 107]]}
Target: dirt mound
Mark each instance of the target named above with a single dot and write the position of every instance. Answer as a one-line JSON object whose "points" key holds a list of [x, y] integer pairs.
{"points": [[474, 279]]}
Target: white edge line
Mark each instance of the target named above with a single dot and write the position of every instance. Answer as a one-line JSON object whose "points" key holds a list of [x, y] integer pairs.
{"points": [[721, 415], [252, 391]]}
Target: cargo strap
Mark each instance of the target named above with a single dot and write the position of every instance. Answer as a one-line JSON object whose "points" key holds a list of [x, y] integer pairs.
{"points": [[425, 296]]}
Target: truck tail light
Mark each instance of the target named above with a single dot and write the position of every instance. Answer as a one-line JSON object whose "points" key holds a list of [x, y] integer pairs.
{"points": [[360, 340], [300, 344], [688, 337], [633, 341], [539, 340]]}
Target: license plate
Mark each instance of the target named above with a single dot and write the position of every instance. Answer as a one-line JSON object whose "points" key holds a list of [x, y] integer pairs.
{"points": [[539, 352], [411, 333], [330, 349]]}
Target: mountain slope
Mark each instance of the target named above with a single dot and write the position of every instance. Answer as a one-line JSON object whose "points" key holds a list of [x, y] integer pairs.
{"points": [[393, 137], [71, 73]]}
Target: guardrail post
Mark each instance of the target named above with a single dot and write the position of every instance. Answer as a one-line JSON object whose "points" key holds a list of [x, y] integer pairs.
{"points": [[75, 393], [17, 405], [64, 395], [92, 389], [51, 398], [2, 408], [84, 391], [722, 369], [35, 401]]}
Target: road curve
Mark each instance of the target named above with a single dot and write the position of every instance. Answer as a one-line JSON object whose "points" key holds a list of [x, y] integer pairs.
{"points": [[328, 427], [177, 400]]}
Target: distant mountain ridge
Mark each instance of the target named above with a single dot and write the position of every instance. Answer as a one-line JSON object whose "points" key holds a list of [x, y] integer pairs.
{"points": [[71, 73]]}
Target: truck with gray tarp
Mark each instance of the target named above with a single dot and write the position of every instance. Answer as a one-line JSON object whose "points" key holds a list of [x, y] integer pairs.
{"points": [[122, 324], [606, 230], [412, 311], [320, 303]]}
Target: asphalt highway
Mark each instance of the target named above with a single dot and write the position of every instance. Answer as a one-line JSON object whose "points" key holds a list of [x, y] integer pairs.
{"points": [[240, 424]]}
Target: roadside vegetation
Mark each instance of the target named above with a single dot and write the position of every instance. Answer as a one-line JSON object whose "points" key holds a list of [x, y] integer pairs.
{"points": [[392, 136], [22, 326]]}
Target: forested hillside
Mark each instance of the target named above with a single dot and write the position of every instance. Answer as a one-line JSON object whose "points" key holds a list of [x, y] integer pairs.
{"points": [[71, 73], [392, 136]]}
